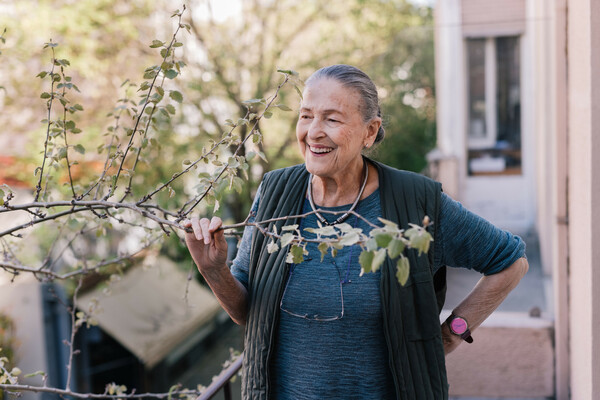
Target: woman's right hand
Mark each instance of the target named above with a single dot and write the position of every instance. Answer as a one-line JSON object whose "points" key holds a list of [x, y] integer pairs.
{"points": [[206, 243]]}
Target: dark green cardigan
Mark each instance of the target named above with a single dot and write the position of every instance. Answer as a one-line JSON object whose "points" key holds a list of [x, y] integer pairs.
{"points": [[410, 313]]}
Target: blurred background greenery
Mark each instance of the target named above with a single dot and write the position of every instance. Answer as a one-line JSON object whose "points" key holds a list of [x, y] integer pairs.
{"points": [[232, 53]]}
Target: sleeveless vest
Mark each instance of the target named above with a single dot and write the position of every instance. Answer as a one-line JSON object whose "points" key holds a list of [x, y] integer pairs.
{"points": [[410, 312]]}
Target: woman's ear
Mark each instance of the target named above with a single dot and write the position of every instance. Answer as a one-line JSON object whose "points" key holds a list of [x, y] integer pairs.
{"points": [[372, 129]]}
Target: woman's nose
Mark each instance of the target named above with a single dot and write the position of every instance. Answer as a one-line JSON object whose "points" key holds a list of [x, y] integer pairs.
{"points": [[315, 129]]}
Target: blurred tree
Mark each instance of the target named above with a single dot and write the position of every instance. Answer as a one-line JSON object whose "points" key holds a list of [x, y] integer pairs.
{"points": [[237, 58], [99, 37], [229, 59]]}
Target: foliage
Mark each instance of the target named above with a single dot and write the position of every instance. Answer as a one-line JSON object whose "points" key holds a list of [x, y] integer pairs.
{"points": [[405, 71], [153, 164]]}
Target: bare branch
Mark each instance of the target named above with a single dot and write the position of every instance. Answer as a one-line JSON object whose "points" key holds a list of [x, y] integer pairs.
{"points": [[51, 275], [184, 212], [74, 329], [63, 392], [141, 112], [38, 187]]}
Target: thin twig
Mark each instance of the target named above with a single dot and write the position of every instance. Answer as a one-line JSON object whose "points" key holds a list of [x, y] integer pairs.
{"points": [[186, 170], [74, 329], [109, 159], [240, 146], [141, 112], [38, 187], [17, 268], [64, 121], [69, 393]]}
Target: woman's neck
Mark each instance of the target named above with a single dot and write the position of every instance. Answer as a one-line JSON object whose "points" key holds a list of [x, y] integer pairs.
{"points": [[342, 190]]}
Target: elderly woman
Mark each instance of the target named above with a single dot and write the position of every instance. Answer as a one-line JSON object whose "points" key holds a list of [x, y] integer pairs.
{"points": [[319, 330]]}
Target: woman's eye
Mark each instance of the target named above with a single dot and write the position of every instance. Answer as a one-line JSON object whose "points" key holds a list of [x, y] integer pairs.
{"points": [[332, 120], [305, 116]]}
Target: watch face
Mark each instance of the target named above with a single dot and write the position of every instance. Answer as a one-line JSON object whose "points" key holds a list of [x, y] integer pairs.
{"points": [[458, 325]]}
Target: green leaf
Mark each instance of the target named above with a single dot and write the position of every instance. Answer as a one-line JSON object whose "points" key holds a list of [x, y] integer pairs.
{"points": [[297, 254], [402, 270], [171, 109], [288, 72], [45, 95], [286, 239], [323, 249], [366, 261], [323, 231], [283, 107], [383, 239], [371, 244], [186, 162], [378, 259], [42, 74], [289, 227], [1, 197], [350, 239], [35, 374], [262, 156], [272, 247], [344, 227], [238, 184], [252, 101], [175, 95], [171, 73], [267, 114], [419, 238], [395, 248], [79, 148], [156, 43], [388, 223]]}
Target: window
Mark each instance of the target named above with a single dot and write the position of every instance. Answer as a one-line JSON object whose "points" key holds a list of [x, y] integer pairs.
{"points": [[494, 106]]}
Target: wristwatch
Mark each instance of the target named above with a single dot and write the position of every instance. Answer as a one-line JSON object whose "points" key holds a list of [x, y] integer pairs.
{"points": [[460, 327]]}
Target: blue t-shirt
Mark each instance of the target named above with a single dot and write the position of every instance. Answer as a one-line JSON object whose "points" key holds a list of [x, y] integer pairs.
{"points": [[327, 355]]}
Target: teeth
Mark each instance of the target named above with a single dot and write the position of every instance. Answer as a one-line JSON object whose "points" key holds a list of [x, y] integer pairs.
{"points": [[321, 149]]}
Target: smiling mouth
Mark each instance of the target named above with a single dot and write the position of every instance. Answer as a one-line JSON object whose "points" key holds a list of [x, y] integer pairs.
{"points": [[320, 150]]}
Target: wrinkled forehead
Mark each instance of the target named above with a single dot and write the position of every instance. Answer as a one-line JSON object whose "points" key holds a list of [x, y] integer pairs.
{"points": [[329, 94]]}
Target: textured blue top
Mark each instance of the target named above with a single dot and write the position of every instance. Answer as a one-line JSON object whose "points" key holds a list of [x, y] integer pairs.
{"points": [[346, 358]]}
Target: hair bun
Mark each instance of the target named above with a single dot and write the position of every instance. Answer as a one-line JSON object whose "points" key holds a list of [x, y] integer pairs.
{"points": [[380, 135]]}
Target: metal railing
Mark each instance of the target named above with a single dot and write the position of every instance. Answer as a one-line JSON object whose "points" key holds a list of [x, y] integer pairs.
{"points": [[223, 381]]}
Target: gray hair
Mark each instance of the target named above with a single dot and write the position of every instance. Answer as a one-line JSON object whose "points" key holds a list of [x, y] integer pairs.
{"points": [[353, 78]]}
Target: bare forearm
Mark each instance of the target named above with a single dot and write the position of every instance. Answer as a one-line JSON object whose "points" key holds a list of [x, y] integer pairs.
{"points": [[230, 293], [485, 297]]}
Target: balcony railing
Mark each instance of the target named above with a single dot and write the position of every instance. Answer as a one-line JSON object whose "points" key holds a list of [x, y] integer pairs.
{"points": [[223, 381]]}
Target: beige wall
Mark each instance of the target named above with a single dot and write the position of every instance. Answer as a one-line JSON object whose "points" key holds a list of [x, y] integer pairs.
{"points": [[584, 196], [555, 251], [22, 301], [493, 17]]}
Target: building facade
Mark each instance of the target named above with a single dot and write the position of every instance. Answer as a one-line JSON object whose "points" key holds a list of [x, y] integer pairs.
{"points": [[518, 114]]}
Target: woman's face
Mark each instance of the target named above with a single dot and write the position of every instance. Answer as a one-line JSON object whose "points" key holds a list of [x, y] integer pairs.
{"points": [[330, 131]]}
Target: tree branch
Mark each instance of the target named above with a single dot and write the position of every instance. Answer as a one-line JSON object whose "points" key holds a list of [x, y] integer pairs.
{"points": [[63, 392]]}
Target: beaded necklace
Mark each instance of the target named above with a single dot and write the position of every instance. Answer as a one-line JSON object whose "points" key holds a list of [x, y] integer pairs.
{"points": [[347, 213]]}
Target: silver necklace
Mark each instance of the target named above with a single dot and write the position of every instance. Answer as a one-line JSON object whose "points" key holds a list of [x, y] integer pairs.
{"points": [[347, 213]]}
